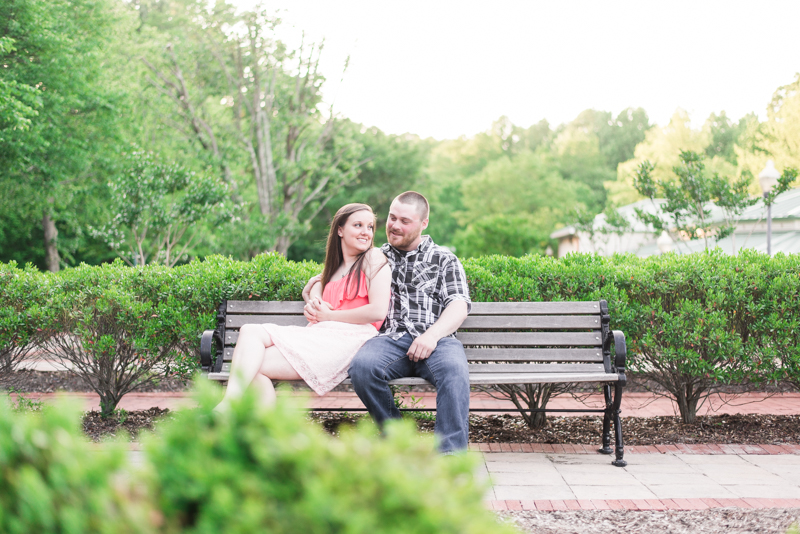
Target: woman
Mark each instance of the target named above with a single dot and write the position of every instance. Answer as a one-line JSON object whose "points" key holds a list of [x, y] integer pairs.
{"points": [[345, 306]]}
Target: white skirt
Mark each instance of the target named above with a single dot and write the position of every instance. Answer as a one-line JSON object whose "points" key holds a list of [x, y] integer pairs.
{"points": [[321, 353]]}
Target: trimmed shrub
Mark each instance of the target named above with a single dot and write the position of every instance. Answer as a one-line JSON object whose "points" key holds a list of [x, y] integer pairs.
{"points": [[21, 318], [53, 483], [694, 323], [269, 470], [115, 340]]}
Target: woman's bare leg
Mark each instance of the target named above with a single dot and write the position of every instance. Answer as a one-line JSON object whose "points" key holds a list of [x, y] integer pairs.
{"points": [[274, 367], [255, 362], [248, 356]]}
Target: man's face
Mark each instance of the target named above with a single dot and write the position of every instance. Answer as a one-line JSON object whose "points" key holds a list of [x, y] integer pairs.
{"points": [[404, 226]]}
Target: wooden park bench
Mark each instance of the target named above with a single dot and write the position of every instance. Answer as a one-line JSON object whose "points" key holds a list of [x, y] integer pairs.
{"points": [[505, 343]]}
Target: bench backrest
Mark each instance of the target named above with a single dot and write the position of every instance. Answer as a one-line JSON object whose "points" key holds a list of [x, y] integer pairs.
{"points": [[498, 337]]}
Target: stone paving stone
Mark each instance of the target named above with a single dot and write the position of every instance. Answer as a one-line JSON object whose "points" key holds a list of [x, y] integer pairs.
{"points": [[586, 504], [764, 492], [519, 467], [617, 478], [782, 460], [551, 477], [726, 460], [614, 504], [746, 475], [677, 491], [573, 505], [558, 504], [528, 505], [671, 478], [544, 505]]}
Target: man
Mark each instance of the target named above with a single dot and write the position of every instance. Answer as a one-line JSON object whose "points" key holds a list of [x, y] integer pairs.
{"points": [[430, 300]]}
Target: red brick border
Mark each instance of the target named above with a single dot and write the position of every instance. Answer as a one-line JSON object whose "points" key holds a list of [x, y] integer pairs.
{"points": [[641, 504], [638, 449]]}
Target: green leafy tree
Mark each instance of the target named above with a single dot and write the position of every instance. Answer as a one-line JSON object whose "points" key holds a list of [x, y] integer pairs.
{"points": [[56, 58], [662, 146], [777, 138], [395, 163], [156, 204], [296, 156], [689, 199], [513, 204], [18, 102]]}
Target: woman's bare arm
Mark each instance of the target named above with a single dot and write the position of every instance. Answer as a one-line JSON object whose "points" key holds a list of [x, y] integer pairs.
{"points": [[380, 279]]}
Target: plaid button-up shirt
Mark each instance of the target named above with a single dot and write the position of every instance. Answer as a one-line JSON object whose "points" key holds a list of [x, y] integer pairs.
{"points": [[424, 282]]}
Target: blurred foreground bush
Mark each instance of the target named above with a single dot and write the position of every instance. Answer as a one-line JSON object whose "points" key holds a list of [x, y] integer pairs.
{"points": [[52, 482], [250, 470]]}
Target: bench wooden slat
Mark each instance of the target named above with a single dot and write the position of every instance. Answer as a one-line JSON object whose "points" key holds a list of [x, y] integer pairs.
{"points": [[535, 355], [527, 339], [505, 339], [237, 321], [535, 308], [492, 378], [536, 368], [481, 322], [515, 355], [265, 306], [478, 308]]}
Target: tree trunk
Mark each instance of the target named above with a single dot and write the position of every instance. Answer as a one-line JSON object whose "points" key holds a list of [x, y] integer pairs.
{"points": [[282, 244], [50, 236], [687, 406]]}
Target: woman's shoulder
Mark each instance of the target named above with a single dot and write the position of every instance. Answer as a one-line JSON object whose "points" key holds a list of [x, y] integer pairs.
{"points": [[375, 260]]}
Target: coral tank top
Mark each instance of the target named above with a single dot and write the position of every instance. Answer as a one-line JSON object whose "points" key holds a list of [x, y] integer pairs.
{"points": [[334, 294]]}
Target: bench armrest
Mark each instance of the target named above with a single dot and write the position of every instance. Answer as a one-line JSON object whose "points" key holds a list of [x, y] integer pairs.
{"points": [[206, 343], [620, 350]]}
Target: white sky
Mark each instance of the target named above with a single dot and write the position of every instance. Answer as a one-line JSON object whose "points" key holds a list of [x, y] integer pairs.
{"points": [[448, 68]]}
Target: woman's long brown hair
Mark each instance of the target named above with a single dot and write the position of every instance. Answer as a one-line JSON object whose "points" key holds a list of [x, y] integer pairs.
{"points": [[334, 257]]}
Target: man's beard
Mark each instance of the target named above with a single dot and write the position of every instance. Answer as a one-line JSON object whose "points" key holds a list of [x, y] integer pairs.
{"points": [[405, 240]]}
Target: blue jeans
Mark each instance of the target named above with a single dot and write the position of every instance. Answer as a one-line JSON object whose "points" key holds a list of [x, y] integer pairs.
{"points": [[381, 359]]}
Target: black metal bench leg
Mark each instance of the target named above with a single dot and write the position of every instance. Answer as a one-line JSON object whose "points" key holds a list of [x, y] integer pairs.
{"points": [[619, 445], [607, 421]]}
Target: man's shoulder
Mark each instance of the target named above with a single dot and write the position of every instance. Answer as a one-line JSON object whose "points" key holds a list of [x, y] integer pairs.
{"points": [[442, 254]]}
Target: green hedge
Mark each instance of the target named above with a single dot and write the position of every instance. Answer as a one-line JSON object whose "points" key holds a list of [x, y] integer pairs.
{"points": [[250, 470], [693, 322]]}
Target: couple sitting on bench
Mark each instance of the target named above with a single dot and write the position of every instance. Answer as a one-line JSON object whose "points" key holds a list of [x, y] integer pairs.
{"points": [[424, 289]]}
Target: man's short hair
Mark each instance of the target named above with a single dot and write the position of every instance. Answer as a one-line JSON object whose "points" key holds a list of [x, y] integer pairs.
{"points": [[417, 200]]}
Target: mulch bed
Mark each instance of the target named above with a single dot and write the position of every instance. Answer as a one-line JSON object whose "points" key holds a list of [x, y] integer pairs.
{"points": [[97, 428], [664, 430], [730, 521], [584, 430]]}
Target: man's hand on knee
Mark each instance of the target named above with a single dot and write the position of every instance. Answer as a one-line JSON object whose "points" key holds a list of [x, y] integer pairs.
{"points": [[422, 347]]}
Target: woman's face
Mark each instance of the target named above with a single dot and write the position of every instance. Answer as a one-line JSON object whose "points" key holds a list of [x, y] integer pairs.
{"points": [[358, 231]]}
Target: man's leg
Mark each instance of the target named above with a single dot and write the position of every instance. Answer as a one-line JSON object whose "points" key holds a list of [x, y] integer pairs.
{"points": [[447, 369], [379, 360]]}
